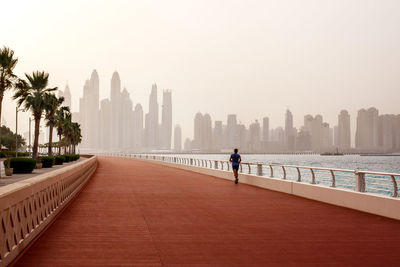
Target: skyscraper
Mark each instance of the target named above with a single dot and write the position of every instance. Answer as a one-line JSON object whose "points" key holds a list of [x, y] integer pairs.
{"points": [[67, 96], [232, 135], [105, 125], [126, 121], [138, 130], [327, 136], [207, 133], [116, 112], [152, 127], [265, 129], [166, 120], [255, 137], [243, 138], [289, 131], [217, 136], [177, 138], [344, 138], [367, 129], [198, 131], [89, 113], [313, 125]]}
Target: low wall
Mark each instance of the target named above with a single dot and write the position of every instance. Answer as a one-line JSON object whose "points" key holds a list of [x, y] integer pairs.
{"points": [[28, 206], [366, 202]]}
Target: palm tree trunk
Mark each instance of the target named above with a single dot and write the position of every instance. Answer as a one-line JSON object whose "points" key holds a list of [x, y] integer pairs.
{"points": [[1, 105], [51, 141], [36, 139], [59, 144]]}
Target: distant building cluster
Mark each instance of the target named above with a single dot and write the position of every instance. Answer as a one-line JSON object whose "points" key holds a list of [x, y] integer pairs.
{"points": [[116, 125], [374, 133]]}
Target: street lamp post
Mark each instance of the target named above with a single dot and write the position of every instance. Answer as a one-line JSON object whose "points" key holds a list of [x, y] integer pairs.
{"points": [[16, 130], [30, 134]]}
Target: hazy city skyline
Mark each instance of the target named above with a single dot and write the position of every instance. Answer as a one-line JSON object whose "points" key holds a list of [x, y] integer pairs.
{"points": [[250, 58]]}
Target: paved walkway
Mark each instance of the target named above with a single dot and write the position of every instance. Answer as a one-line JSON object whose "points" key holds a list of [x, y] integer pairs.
{"points": [[140, 213]]}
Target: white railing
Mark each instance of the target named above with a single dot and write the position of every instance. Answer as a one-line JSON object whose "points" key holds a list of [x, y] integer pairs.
{"points": [[361, 181]]}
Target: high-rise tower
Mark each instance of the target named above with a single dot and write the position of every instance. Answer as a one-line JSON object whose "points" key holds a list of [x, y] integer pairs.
{"points": [[116, 112], [126, 121], [343, 130], [138, 128], [232, 133], [152, 126], [289, 131], [166, 120]]}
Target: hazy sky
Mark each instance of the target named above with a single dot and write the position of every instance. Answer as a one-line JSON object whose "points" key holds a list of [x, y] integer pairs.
{"points": [[252, 58]]}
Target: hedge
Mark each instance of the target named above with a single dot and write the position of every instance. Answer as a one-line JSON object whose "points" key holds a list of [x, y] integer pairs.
{"points": [[59, 160], [23, 165], [72, 157], [48, 162], [66, 158]]}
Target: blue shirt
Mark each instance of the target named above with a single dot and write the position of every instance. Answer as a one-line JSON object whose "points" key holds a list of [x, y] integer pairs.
{"points": [[235, 159]]}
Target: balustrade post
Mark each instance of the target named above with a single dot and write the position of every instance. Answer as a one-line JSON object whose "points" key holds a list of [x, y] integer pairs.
{"points": [[272, 171], [360, 182], [395, 188], [298, 175], [284, 172], [333, 179], [191, 161], [259, 169], [216, 164], [312, 176]]}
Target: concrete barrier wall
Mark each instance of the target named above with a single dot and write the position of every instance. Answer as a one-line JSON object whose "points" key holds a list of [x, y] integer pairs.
{"points": [[28, 206], [366, 202]]}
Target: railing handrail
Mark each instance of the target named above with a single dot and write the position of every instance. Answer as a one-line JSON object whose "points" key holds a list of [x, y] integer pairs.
{"points": [[379, 173], [304, 167]]}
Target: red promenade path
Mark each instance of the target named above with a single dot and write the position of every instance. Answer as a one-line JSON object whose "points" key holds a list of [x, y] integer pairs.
{"points": [[140, 213]]}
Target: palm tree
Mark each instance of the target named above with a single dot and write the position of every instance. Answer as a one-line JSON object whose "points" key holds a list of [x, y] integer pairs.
{"points": [[68, 131], [52, 103], [31, 95], [76, 136], [60, 118], [8, 79]]}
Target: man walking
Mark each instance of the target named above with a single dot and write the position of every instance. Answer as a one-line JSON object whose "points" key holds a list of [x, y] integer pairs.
{"points": [[235, 159]]}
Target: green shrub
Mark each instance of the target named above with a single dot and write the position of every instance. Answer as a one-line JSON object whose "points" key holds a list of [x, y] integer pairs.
{"points": [[72, 157], [23, 165], [67, 158], [48, 162], [59, 160]]}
